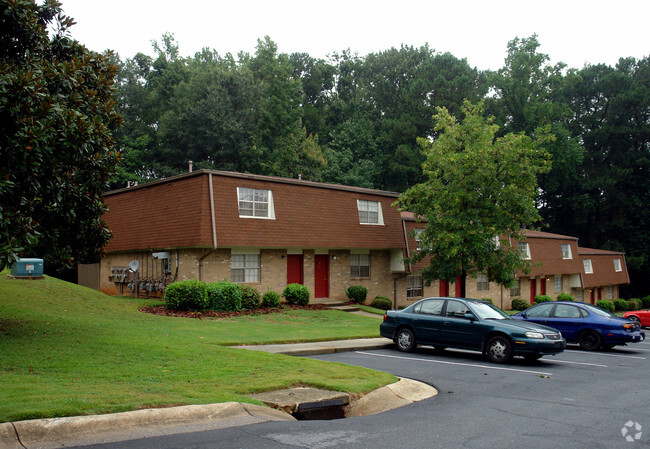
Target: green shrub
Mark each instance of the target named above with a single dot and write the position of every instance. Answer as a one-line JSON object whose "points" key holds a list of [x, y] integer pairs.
{"points": [[565, 297], [357, 293], [224, 296], [542, 298], [271, 299], [186, 295], [296, 294], [605, 304], [381, 303], [620, 305], [519, 304], [646, 302], [250, 297], [634, 304], [488, 300]]}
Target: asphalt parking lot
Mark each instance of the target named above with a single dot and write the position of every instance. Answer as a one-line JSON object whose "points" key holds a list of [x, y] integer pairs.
{"points": [[575, 399]]}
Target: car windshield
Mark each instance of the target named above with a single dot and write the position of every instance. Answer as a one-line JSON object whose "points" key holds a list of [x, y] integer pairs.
{"points": [[486, 311], [598, 310]]}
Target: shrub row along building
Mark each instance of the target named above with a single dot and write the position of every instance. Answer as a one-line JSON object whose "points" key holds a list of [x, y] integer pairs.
{"points": [[269, 232]]}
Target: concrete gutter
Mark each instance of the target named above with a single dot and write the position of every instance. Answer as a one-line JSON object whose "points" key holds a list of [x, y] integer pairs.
{"points": [[85, 430], [323, 347]]}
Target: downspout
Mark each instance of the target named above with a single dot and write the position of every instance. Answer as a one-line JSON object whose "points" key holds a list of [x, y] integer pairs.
{"points": [[213, 220], [410, 269]]}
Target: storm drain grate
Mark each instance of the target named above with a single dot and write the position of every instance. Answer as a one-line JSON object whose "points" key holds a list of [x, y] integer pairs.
{"points": [[321, 410]]}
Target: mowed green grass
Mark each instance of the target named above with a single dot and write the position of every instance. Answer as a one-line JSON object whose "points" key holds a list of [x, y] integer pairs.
{"points": [[66, 350]]}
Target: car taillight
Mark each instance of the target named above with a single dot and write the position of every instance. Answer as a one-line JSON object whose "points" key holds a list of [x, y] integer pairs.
{"points": [[385, 317]]}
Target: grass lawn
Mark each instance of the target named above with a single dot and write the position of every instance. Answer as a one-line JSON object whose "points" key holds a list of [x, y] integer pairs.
{"points": [[67, 350]]}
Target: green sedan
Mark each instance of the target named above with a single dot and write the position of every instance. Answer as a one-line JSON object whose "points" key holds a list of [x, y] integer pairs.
{"points": [[469, 324]]}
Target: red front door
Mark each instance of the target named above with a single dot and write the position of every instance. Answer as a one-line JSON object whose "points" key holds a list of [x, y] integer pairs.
{"points": [[294, 269], [533, 289], [592, 295], [321, 276], [542, 286], [458, 286], [443, 288]]}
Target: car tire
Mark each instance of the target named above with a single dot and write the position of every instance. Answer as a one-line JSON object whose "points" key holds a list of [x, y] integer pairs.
{"points": [[532, 357], [634, 318], [405, 340], [499, 349], [590, 340]]}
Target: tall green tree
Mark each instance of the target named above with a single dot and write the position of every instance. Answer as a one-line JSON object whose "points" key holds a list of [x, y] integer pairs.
{"points": [[478, 187], [529, 92], [57, 117]]}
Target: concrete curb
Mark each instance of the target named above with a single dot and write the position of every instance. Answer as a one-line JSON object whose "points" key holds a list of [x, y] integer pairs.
{"points": [[399, 394], [80, 430]]}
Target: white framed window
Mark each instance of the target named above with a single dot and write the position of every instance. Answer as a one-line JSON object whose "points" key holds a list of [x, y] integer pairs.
{"points": [[566, 251], [617, 265], [413, 286], [482, 282], [524, 249], [370, 212], [359, 265], [417, 233], [245, 267], [587, 264], [558, 283], [515, 290], [610, 292], [255, 203]]}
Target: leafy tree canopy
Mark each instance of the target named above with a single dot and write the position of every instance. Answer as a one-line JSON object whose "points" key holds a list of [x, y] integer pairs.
{"points": [[478, 186], [56, 145]]}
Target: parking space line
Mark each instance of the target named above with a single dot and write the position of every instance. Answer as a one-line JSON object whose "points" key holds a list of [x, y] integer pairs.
{"points": [[577, 363], [455, 363], [610, 355]]}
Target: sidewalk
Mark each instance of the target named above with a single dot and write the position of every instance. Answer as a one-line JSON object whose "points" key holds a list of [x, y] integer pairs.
{"points": [[85, 430]]}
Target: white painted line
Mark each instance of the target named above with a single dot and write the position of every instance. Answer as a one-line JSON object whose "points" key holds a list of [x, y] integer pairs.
{"points": [[610, 355], [577, 363], [455, 363]]}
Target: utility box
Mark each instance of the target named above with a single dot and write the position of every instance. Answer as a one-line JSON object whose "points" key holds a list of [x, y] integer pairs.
{"points": [[27, 268]]}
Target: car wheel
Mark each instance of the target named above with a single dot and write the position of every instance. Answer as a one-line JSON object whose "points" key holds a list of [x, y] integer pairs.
{"points": [[499, 349], [590, 340], [405, 340], [532, 357], [634, 318]]}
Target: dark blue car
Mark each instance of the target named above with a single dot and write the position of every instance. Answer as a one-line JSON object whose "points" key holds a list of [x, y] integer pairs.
{"points": [[589, 326]]}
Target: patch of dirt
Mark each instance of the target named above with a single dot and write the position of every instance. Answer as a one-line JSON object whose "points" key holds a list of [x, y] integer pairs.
{"points": [[161, 310]]}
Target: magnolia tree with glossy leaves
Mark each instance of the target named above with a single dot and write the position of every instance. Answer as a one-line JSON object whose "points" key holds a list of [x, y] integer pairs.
{"points": [[478, 186], [56, 146]]}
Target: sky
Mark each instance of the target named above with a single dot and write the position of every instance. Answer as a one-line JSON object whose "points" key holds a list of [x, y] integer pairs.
{"points": [[575, 32]]}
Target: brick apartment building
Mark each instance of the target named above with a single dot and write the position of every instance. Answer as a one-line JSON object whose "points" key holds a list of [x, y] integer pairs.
{"points": [[268, 232]]}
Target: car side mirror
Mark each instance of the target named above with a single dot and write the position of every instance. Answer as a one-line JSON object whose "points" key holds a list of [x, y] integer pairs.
{"points": [[523, 314], [470, 316]]}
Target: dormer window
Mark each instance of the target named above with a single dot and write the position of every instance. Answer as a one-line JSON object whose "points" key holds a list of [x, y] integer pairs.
{"points": [[524, 249], [566, 251], [254, 203], [587, 264], [617, 265], [370, 212]]}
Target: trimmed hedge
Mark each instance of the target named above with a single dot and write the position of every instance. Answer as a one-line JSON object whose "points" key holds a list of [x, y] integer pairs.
{"points": [[357, 293], [186, 295], [605, 304], [620, 305], [296, 294], [382, 303], [542, 298], [271, 299], [224, 296], [646, 302], [634, 304], [565, 297], [519, 304], [250, 297]]}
